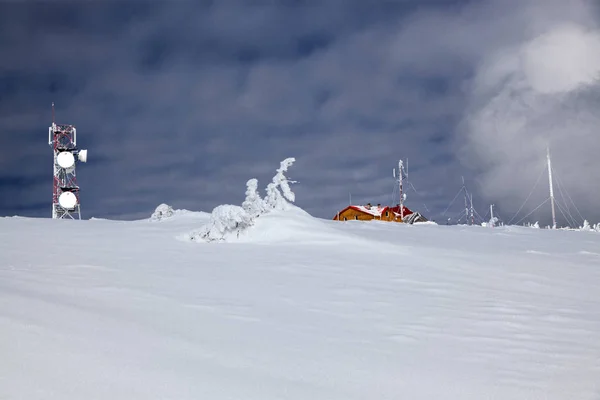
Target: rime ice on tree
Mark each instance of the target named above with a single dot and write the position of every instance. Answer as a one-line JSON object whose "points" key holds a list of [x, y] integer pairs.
{"points": [[162, 211], [253, 204], [586, 226], [275, 199], [230, 220]]}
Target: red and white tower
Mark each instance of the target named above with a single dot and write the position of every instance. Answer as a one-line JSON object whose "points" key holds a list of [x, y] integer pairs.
{"points": [[65, 196]]}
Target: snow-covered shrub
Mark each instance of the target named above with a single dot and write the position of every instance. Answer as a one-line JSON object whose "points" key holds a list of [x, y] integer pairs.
{"points": [[253, 204], [275, 199], [586, 226], [162, 211], [597, 227], [229, 221], [225, 220]]}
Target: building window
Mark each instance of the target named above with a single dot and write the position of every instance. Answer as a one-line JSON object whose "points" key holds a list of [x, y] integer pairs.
{"points": [[387, 214], [345, 219], [356, 217]]}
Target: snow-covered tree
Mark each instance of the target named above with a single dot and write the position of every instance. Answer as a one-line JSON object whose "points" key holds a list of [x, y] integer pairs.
{"points": [[253, 204], [162, 211], [597, 227], [276, 199], [536, 225], [228, 220], [225, 220], [586, 226]]}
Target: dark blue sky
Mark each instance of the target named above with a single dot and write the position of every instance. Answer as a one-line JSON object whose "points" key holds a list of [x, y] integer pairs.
{"points": [[183, 102]]}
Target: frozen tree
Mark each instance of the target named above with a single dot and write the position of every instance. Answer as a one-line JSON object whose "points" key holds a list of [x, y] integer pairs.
{"points": [[284, 183], [162, 211], [276, 199], [536, 225], [597, 227], [253, 204], [228, 220], [586, 226], [225, 220]]}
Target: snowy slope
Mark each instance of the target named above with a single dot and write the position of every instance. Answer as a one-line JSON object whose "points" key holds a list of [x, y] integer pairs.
{"points": [[299, 308]]}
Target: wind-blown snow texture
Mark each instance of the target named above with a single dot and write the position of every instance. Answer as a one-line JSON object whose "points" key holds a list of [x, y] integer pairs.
{"points": [[300, 308]]}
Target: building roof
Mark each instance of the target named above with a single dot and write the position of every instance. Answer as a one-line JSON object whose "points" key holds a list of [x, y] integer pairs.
{"points": [[396, 210], [375, 211]]}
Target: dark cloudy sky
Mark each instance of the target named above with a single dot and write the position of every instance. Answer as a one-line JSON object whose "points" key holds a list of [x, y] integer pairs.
{"points": [[182, 102]]}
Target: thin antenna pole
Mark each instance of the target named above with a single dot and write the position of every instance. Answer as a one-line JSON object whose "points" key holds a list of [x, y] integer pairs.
{"points": [[349, 199], [400, 168], [464, 188], [394, 189], [53, 121], [551, 188], [492, 213], [472, 217]]}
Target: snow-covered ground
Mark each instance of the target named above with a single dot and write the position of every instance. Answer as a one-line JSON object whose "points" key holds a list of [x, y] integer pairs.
{"points": [[298, 308]]}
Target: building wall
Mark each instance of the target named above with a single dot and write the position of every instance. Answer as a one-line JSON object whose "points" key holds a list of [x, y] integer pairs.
{"points": [[354, 215]]}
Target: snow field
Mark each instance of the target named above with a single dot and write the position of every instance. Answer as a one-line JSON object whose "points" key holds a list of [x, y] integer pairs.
{"points": [[297, 308]]}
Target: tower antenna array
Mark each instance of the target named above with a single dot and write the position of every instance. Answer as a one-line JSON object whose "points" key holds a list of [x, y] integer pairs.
{"points": [[401, 173], [65, 191]]}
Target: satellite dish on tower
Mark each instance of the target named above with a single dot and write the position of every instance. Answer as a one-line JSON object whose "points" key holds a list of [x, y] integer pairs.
{"points": [[82, 155], [67, 200], [65, 159]]}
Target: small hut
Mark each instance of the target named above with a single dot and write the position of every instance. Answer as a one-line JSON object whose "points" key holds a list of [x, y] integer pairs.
{"points": [[379, 213]]}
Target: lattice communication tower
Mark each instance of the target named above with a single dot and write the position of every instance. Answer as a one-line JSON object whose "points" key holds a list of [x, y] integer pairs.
{"points": [[65, 196]]}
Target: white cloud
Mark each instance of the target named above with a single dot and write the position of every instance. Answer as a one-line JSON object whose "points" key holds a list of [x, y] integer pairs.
{"points": [[541, 90], [562, 60]]}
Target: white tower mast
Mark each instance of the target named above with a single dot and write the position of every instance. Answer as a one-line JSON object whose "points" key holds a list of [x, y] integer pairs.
{"points": [[551, 188], [400, 186], [464, 188], [401, 172], [471, 211]]}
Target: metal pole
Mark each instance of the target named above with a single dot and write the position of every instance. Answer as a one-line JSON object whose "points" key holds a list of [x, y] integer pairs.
{"points": [[400, 167], [551, 188], [472, 211], [466, 204]]}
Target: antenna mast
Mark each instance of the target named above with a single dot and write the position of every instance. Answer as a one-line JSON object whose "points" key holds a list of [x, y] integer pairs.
{"points": [[400, 184], [65, 191], [471, 210], [464, 188], [551, 188]]}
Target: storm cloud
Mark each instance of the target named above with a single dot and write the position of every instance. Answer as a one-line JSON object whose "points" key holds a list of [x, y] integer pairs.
{"points": [[182, 102]]}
